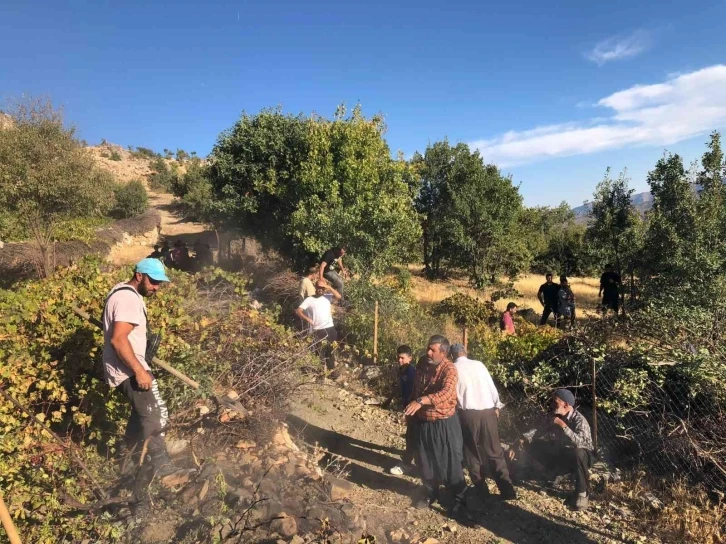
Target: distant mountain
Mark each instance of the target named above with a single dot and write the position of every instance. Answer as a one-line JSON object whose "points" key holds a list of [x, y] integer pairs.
{"points": [[642, 202]]}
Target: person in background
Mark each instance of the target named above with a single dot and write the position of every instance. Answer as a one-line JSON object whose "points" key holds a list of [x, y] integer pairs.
{"points": [[563, 443], [610, 289], [166, 254], [317, 311], [328, 269], [566, 304], [156, 254], [407, 381], [547, 296], [125, 364], [439, 443], [507, 321], [176, 254], [479, 405], [307, 287]]}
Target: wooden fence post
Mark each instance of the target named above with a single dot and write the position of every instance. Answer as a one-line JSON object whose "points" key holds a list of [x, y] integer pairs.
{"points": [[7, 522], [375, 334], [594, 406], [466, 337]]}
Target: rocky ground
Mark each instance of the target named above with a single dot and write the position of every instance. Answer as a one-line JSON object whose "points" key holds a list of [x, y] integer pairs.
{"points": [[363, 441]]}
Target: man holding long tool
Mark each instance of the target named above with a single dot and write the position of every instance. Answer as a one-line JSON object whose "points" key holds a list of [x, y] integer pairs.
{"points": [[125, 361]]}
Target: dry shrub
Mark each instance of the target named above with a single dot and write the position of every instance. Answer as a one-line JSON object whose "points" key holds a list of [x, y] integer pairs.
{"points": [[685, 513]]}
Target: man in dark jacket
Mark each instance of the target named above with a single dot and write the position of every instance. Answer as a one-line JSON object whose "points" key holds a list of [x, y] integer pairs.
{"points": [[547, 296]]}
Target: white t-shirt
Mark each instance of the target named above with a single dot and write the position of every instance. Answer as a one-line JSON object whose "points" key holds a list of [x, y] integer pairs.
{"points": [[475, 389], [320, 311], [125, 305]]}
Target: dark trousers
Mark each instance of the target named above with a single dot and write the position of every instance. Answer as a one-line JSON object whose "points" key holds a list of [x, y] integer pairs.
{"points": [[335, 280], [611, 301], [410, 453], [438, 455], [564, 461], [148, 416], [482, 450], [325, 339], [548, 309]]}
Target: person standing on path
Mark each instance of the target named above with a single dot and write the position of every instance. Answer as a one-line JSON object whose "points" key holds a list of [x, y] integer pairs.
{"points": [[547, 296], [438, 432], [126, 361], [407, 381], [317, 311], [479, 405], [610, 289], [329, 264]]}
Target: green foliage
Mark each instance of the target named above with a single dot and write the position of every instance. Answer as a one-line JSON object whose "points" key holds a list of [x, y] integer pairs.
{"points": [[162, 178], [401, 320], [143, 153], [304, 184], [131, 199], [52, 364], [557, 242], [115, 156], [469, 215], [466, 310], [46, 176], [615, 228]]}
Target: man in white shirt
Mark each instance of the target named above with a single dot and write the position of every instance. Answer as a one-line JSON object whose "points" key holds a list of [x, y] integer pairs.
{"points": [[479, 405], [317, 311]]}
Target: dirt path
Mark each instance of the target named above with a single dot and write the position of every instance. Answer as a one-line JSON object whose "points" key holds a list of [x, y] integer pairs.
{"points": [[173, 227], [370, 439]]}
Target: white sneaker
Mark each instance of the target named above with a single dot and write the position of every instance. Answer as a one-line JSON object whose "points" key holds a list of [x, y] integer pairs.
{"points": [[400, 470]]}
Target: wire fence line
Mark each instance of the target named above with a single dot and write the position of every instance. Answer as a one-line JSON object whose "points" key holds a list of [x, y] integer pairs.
{"points": [[673, 433]]}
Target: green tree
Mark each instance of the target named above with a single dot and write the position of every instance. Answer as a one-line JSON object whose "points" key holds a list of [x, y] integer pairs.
{"points": [[672, 252], [42, 164], [711, 204], [469, 215], [613, 227], [301, 185]]}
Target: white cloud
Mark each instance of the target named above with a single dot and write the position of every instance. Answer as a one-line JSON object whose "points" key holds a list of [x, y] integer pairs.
{"points": [[620, 47], [682, 107]]}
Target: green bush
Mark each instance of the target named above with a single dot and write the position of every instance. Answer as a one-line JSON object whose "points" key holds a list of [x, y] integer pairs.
{"points": [[466, 310], [131, 199], [52, 365], [144, 153], [115, 156], [162, 178]]}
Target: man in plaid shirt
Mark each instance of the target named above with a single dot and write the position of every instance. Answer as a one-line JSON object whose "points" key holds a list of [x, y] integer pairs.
{"points": [[438, 432]]}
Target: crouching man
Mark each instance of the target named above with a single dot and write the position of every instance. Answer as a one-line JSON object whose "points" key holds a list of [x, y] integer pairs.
{"points": [[125, 363], [563, 444]]}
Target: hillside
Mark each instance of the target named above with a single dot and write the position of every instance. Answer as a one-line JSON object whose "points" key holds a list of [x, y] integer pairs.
{"points": [[642, 202]]}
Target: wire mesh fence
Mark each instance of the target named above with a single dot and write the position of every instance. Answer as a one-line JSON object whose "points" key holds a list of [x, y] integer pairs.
{"points": [[668, 432]]}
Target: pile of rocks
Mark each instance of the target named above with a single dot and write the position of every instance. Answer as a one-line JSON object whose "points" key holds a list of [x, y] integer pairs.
{"points": [[254, 493]]}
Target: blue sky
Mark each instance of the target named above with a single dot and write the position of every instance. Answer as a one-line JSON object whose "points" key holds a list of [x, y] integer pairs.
{"points": [[547, 92]]}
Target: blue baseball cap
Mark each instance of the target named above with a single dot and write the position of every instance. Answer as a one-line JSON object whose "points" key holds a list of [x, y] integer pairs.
{"points": [[152, 268]]}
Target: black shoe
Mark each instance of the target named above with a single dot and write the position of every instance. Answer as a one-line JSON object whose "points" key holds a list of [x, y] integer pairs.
{"points": [[457, 510], [507, 492], [483, 490]]}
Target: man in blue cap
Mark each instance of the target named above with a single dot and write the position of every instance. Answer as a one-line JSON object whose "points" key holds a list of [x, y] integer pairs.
{"points": [[563, 444], [126, 360]]}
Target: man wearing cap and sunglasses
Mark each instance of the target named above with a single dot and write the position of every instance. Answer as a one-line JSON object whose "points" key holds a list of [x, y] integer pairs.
{"points": [[126, 359]]}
